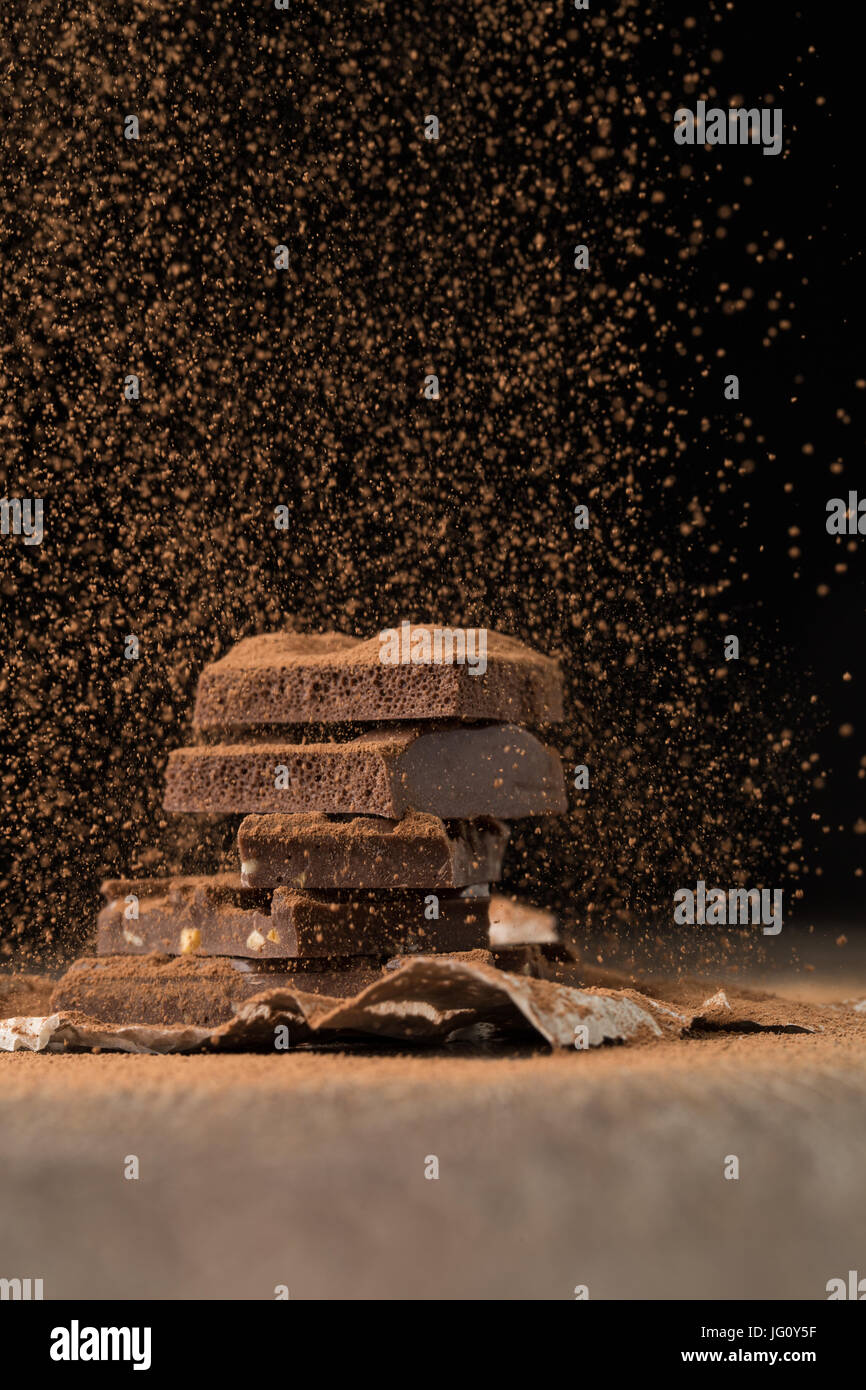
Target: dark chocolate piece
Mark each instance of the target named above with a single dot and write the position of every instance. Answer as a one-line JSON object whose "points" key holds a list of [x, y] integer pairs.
{"points": [[315, 851], [457, 773], [201, 990], [542, 962], [217, 917], [294, 678]]}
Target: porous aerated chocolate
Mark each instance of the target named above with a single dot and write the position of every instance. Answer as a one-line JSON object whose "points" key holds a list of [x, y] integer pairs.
{"points": [[313, 850], [456, 773], [218, 917], [291, 678], [200, 990]]}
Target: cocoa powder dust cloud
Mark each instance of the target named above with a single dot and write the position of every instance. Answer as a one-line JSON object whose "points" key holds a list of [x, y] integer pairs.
{"points": [[304, 387]]}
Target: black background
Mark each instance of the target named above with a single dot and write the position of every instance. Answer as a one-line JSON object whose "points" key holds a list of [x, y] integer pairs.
{"points": [[809, 200]]}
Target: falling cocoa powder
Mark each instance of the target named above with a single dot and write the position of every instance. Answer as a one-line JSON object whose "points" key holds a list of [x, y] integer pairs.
{"points": [[261, 388]]}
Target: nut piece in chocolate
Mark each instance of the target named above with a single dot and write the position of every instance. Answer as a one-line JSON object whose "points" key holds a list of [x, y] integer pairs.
{"points": [[217, 917]]}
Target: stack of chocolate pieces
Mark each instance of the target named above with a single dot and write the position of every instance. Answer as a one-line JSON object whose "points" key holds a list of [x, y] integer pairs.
{"points": [[354, 852]]}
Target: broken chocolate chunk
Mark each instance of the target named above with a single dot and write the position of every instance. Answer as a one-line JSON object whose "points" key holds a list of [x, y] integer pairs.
{"points": [[218, 917], [413, 672], [456, 773], [316, 851], [201, 990]]}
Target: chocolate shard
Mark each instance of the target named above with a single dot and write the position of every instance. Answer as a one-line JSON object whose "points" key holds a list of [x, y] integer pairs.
{"points": [[516, 923], [200, 990], [316, 851], [218, 917], [293, 678], [457, 774]]}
